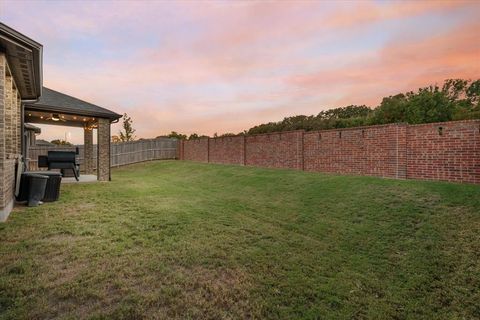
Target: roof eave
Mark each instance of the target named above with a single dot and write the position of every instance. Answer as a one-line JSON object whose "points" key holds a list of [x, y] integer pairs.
{"points": [[18, 39], [39, 107]]}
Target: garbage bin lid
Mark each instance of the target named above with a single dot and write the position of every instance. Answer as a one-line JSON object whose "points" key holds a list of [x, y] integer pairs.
{"points": [[35, 175], [46, 173]]}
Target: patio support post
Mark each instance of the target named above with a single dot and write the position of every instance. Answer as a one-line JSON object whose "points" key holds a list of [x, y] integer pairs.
{"points": [[88, 149], [103, 156]]}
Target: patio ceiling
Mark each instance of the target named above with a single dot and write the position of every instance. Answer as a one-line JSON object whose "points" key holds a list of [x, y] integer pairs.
{"points": [[61, 119]]}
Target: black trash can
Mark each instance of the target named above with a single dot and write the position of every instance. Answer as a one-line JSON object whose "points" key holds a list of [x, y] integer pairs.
{"points": [[52, 190], [36, 188]]}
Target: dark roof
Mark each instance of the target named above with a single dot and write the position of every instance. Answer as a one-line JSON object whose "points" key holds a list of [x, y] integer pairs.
{"points": [[54, 101], [24, 57], [31, 127]]}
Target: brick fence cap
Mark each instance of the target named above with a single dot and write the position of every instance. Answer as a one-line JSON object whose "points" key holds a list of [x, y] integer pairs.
{"points": [[446, 122]]}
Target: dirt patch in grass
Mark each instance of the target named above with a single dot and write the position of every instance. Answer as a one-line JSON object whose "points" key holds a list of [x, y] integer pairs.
{"points": [[216, 294]]}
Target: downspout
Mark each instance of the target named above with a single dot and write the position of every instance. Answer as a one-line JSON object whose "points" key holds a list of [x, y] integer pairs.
{"points": [[109, 150]]}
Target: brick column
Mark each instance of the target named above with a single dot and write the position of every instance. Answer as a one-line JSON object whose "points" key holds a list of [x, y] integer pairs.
{"points": [[244, 151], [401, 151], [103, 145], [208, 149], [88, 150], [180, 144]]}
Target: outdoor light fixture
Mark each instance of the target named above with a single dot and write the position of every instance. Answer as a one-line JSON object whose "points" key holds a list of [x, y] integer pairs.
{"points": [[55, 117]]}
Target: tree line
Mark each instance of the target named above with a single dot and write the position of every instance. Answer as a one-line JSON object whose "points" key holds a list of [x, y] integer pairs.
{"points": [[456, 99]]}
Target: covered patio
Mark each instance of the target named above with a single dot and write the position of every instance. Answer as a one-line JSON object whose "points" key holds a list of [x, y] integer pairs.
{"points": [[56, 108]]}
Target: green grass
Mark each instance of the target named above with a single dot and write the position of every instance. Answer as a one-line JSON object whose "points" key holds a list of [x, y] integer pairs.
{"points": [[185, 240]]}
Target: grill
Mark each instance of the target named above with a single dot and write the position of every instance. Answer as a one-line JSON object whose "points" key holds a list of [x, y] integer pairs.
{"points": [[63, 160]]}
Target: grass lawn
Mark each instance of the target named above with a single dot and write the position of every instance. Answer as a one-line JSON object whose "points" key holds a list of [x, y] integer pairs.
{"points": [[176, 239]]}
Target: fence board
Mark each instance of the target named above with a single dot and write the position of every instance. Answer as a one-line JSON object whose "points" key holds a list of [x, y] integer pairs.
{"points": [[121, 154]]}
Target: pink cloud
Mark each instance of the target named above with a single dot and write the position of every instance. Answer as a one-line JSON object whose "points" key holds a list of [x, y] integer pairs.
{"points": [[226, 66], [402, 65]]}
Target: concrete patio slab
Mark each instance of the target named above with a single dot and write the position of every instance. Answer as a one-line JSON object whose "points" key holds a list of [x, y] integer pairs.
{"points": [[83, 178]]}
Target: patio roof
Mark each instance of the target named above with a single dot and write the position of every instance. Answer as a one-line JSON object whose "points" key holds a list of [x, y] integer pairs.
{"points": [[31, 127], [53, 101]]}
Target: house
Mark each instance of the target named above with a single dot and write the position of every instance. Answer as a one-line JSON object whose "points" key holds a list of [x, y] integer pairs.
{"points": [[23, 99]]}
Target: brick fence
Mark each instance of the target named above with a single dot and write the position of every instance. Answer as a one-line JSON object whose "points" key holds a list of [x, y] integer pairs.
{"points": [[446, 151]]}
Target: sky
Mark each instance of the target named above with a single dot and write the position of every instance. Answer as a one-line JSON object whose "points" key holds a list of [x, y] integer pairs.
{"points": [[224, 66]]}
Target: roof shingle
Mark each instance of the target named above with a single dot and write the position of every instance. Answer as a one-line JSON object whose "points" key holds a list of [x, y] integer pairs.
{"points": [[54, 101]]}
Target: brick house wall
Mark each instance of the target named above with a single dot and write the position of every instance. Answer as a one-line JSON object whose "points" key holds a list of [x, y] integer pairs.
{"points": [[10, 139], [448, 151]]}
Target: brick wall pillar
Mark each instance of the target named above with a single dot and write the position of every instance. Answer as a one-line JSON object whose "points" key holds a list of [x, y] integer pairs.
{"points": [[401, 151], [88, 150], [300, 152], [244, 150], [180, 144], [208, 149], [103, 146]]}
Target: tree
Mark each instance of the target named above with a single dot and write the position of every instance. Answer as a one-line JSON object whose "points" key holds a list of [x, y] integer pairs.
{"points": [[177, 135], [457, 99], [60, 142], [128, 132], [391, 109], [193, 136], [429, 105], [116, 139]]}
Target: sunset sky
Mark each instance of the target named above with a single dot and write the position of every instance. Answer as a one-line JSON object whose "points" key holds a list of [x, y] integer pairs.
{"points": [[224, 66]]}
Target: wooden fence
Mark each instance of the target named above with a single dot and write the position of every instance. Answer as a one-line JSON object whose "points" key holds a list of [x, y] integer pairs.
{"points": [[120, 153], [143, 150]]}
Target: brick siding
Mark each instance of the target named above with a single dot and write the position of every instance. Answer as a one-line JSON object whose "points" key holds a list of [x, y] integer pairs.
{"points": [[424, 151], [10, 122]]}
